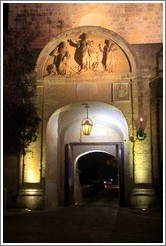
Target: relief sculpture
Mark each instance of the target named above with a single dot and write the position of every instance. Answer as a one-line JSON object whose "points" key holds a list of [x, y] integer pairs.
{"points": [[61, 59], [109, 56], [87, 56], [120, 91]]}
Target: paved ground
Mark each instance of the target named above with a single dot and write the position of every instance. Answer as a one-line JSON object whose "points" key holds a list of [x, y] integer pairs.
{"points": [[95, 221]]}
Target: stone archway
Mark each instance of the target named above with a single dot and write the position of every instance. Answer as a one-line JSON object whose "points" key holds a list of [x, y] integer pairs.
{"points": [[64, 127], [109, 93], [99, 166], [96, 178], [64, 92]]}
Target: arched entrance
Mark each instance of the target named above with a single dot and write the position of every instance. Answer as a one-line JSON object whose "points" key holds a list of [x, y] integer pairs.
{"points": [[63, 129], [113, 94], [96, 174], [96, 179], [108, 93]]}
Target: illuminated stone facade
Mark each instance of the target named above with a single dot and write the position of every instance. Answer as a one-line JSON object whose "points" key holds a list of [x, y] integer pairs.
{"points": [[72, 69]]}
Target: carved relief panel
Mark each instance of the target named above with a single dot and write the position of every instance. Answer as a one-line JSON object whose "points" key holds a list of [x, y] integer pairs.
{"points": [[120, 91], [84, 52]]}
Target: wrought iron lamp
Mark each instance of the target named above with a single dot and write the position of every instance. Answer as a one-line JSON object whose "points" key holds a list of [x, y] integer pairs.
{"points": [[86, 122], [141, 135]]}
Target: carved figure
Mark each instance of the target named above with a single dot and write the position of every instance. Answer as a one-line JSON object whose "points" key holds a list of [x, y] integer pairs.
{"points": [[61, 59], [109, 57], [51, 70], [93, 57], [84, 52]]}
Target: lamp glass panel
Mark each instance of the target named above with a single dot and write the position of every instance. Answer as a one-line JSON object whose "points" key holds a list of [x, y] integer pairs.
{"points": [[86, 127]]}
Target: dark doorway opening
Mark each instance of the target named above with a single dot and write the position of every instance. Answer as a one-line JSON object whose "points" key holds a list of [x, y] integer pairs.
{"points": [[98, 178], [111, 151]]}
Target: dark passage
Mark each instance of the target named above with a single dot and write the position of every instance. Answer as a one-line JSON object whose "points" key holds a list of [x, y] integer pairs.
{"points": [[98, 176]]}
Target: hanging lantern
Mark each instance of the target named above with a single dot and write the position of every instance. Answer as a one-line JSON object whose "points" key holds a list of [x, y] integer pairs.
{"points": [[86, 126], [87, 123]]}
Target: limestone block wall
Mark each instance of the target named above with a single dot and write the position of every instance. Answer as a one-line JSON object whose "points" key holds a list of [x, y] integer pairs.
{"points": [[145, 55], [137, 23]]}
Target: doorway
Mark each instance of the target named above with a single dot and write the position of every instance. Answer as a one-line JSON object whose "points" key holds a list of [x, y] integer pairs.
{"points": [[63, 130], [96, 179], [96, 170]]}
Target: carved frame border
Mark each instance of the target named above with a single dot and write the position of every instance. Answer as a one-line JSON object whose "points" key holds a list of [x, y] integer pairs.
{"points": [[120, 91]]}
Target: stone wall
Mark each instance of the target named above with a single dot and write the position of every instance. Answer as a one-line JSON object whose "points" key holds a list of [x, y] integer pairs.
{"points": [[137, 23]]}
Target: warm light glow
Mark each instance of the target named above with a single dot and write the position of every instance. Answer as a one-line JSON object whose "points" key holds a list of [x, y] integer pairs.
{"points": [[91, 19], [142, 163], [86, 123], [142, 175], [141, 135], [31, 167], [31, 176], [86, 126]]}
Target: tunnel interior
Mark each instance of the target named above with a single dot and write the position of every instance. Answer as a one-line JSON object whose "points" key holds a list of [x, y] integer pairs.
{"points": [[98, 177]]}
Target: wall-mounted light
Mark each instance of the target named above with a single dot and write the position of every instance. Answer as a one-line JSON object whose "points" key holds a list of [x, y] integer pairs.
{"points": [[141, 135], [86, 122]]}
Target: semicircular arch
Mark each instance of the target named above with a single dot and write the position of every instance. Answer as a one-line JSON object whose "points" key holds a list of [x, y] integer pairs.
{"points": [[95, 32], [63, 127]]}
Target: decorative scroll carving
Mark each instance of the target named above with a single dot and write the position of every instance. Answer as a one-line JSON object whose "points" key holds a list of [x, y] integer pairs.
{"points": [[120, 91]]}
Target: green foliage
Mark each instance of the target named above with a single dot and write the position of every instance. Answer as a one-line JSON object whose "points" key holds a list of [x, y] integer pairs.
{"points": [[20, 117]]}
